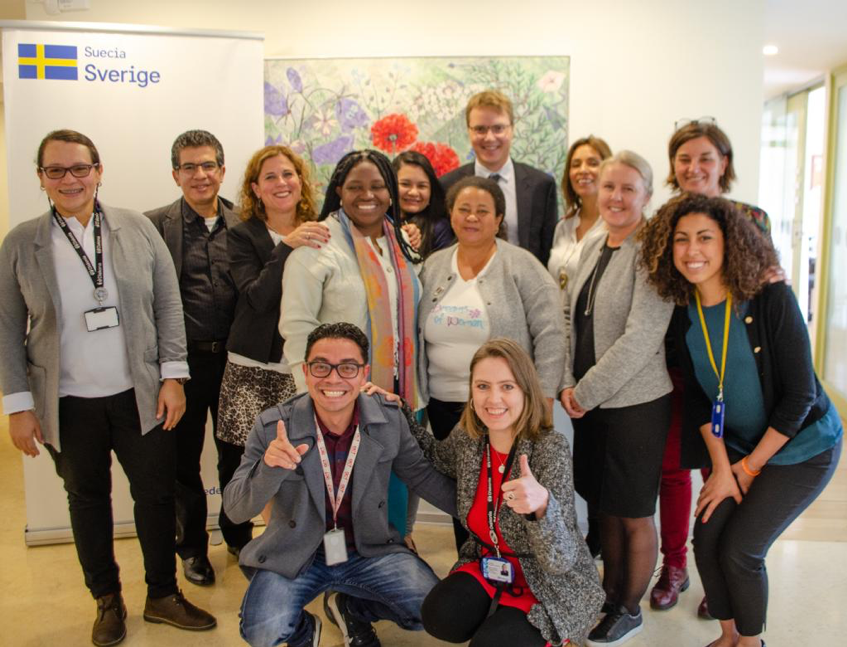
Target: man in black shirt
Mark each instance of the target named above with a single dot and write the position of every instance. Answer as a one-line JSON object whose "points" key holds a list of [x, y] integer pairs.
{"points": [[194, 228]]}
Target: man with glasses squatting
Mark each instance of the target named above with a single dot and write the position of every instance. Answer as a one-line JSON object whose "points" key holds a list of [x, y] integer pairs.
{"points": [[194, 228], [324, 459], [531, 209]]}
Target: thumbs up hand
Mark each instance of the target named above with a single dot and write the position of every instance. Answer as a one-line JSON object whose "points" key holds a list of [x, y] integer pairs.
{"points": [[525, 495], [281, 453]]}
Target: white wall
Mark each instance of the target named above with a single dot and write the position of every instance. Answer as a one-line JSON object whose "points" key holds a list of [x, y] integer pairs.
{"points": [[636, 65]]}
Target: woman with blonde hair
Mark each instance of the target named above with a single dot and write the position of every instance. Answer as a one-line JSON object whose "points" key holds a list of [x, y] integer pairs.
{"points": [[277, 207], [616, 388]]}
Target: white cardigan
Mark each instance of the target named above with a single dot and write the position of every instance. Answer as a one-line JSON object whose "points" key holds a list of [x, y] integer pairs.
{"points": [[320, 286]]}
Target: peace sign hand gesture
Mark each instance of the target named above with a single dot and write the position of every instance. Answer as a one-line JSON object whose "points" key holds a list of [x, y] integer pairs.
{"points": [[525, 495], [281, 453]]}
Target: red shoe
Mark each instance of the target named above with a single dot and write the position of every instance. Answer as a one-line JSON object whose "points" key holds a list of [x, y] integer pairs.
{"points": [[703, 610], [672, 582]]}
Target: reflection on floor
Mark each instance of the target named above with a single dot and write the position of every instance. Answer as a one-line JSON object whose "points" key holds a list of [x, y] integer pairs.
{"points": [[43, 601]]}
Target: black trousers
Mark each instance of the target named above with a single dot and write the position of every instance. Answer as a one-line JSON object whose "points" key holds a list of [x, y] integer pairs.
{"points": [[202, 393], [89, 430], [443, 416], [730, 548], [456, 610]]}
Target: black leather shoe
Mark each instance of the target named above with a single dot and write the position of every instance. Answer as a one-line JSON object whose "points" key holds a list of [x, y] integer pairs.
{"points": [[198, 570], [109, 627], [235, 551], [178, 612]]}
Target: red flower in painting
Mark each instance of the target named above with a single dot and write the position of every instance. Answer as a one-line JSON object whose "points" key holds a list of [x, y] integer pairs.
{"points": [[394, 133], [443, 158]]}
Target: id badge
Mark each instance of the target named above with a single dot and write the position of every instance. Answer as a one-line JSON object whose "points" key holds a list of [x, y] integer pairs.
{"points": [[101, 318], [335, 547], [497, 569], [718, 413]]}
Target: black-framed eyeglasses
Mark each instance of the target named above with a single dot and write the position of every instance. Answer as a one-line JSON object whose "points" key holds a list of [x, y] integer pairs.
{"points": [[189, 168], [497, 129], [345, 370], [679, 124], [77, 170]]}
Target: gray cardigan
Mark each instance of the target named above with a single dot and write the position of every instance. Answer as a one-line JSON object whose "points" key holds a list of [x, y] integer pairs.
{"points": [[630, 323], [560, 572], [150, 312], [523, 304], [298, 520]]}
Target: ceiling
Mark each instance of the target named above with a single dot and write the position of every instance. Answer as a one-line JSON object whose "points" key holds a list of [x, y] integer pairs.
{"points": [[812, 39]]}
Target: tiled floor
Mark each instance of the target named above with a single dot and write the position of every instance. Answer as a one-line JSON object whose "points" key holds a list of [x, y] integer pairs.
{"points": [[43, 601]]}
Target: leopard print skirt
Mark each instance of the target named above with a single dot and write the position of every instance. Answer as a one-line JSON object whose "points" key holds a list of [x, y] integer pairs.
{"points": [[246, 391]]}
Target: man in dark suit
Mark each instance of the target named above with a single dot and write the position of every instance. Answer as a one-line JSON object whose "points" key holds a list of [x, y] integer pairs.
{"points": [[195, 228], [531, 211]]}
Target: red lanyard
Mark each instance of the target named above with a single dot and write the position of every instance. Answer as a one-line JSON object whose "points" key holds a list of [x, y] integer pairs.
{"points": [[335, 498]]}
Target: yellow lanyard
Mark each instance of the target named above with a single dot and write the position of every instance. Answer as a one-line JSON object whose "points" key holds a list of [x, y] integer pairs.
{"points": [[728, 308]]}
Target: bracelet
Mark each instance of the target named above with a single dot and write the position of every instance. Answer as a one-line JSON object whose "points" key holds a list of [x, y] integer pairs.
{"points": [[747, 469]]}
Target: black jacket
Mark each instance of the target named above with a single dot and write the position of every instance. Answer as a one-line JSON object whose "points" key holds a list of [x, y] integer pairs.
{"points": [[793, 396], [256, 266]]}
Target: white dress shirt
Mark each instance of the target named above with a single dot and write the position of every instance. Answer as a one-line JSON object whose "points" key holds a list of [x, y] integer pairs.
{"points": [[508, 185], [91, 364]]}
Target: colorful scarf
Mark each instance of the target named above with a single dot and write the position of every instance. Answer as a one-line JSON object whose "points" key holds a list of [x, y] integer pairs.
{"points": [[379, 329]]}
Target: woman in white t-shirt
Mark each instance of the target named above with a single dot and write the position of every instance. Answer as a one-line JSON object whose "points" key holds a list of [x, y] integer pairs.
{"points": [[582, 216], [481, 288]]}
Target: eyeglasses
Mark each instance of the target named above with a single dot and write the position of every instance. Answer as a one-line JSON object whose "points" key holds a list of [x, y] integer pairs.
{"points": [[497, 129], [190, 169], [702, 121], [345, 370], [77, 170]]}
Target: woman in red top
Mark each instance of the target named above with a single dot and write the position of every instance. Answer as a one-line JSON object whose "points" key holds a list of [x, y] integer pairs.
{"points": [[525, 576]]}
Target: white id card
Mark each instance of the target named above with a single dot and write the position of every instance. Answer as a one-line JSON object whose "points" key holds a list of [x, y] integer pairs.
{"points": [[335, 547], [101, 318], [497, 569]]}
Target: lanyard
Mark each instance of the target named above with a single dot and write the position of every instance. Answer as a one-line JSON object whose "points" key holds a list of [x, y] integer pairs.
{"points": [[335, 498], [494, 506], [728, 309], [94, 271]]}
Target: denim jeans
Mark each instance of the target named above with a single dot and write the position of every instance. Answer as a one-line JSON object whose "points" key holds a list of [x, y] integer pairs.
{"points": [[391, 587]]}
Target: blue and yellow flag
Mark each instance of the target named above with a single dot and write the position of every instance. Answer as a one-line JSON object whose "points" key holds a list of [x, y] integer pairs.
{"points": [[47, 62]]}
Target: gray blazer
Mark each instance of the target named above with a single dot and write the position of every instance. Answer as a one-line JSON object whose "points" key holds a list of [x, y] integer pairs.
{"points": [[298, 521], [150, 312], [630, 323], [560, 571], [168, 221], [523, 304]]}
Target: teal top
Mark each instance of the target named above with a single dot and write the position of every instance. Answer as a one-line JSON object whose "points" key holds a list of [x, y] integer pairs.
{"points": [[746, 420]]}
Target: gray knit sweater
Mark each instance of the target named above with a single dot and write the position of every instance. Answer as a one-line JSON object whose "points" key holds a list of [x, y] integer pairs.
{"points": [[560, 572]]}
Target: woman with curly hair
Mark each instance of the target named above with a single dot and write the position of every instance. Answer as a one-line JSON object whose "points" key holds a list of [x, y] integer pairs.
{"points": [[701, 161], [277, 208], [754, 409]]}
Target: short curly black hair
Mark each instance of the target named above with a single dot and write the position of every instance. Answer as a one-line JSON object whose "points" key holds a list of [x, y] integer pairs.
{"points": [[339, 330], [748, 254]]}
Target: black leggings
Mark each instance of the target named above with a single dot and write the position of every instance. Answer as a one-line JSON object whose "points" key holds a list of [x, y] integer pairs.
{"points": [[730, 548], [456, 610]]}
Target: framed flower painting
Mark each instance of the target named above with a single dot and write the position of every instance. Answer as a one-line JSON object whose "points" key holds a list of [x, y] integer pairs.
{"points": [[324, 108]]}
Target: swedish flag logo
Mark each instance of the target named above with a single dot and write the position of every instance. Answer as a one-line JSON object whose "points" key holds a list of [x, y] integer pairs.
{"points": [[47, 62]]}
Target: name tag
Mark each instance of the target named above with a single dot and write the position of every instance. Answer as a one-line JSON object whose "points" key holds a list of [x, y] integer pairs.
{"points": [[101, 318], [718, 414], [335, 547], [497, 569]]}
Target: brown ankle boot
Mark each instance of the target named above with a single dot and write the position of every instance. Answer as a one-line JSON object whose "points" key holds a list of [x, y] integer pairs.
{"points": [[178, 612], [109, 627]]}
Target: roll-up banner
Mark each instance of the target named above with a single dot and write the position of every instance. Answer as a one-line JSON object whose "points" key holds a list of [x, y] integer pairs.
{"points": [[132, 90]]}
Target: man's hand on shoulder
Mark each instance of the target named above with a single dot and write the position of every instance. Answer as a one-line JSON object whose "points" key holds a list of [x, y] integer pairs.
{"points": [[281, 453]]}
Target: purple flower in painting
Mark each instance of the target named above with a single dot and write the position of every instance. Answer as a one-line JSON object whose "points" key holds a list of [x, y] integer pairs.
{"points": [[350, 115], [333, 151], [270, 141], [276, 104], [294, 79]]}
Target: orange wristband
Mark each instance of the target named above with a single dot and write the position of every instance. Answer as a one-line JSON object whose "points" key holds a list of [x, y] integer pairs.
{"points": [[747, 470]]}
